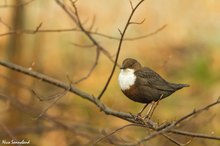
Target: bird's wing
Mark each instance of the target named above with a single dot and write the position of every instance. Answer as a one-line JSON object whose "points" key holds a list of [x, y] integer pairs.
{"points": [[148, 77]]}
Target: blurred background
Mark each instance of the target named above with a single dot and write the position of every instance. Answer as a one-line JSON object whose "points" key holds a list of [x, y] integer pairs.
{"points": [[185, 51]]}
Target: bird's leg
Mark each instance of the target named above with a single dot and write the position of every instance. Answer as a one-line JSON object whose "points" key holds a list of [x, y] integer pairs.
{"points": [[139, 113], [152, 108], [149, 110]]}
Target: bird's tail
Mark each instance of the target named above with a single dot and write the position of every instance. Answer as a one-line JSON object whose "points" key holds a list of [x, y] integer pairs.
{"points": [[179, 86]]}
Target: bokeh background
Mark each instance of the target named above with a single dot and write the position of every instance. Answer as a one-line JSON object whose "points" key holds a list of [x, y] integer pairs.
{"points": [[185, 51]]}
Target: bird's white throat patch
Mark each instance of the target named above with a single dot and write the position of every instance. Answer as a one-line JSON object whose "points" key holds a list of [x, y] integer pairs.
{"points": [[126, 78]]}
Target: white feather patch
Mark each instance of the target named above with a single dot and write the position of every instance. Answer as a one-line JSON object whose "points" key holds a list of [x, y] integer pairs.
{"points": [[126, 78]]}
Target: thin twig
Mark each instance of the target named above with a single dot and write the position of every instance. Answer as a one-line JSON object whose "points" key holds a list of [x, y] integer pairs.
{"points": [[196, 135], [38, 27], [58, 124], [73, 89], [82, 46], [48, 107], [56, 97], [119, 48], [19, 5], [9, 133], [95, 33], [92, 24], [175, 141], [195, 112], [141, 22], [47, 98], [76, 19], [113, 132], [5, 24], [92, 68], [30, 31]]}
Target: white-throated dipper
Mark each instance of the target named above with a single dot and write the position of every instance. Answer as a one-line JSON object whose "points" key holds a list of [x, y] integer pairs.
{"points": [[142, 84]]}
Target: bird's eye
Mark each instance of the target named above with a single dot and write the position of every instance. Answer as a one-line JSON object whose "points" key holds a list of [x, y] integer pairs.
{"points": [[130, 65]]}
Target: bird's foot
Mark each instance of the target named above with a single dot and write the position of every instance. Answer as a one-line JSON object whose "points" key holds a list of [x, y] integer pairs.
{"points": [[136, 117], [146, 118]]}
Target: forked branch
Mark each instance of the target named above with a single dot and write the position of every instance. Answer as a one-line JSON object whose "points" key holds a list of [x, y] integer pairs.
{"points": [[119, 45]]}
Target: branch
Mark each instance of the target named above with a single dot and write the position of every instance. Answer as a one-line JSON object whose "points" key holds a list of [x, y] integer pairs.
{"points": [[119, 46], [174, 141], [158, 129], [19, 5], [113, 132], [37, 30], [196, 135], [5, 24], [9, 133], [30, 31], [77, 129], [195, 112], [71, 88], [92, 68], [169, 127], [75, 17]]}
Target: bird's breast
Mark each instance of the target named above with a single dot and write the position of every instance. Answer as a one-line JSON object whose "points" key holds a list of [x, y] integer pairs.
{"points": [[126, 78]]}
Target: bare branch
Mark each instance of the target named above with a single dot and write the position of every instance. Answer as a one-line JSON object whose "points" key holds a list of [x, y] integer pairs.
{"points": [[195, 112], [113, 132], [58, 124], [92, 68], [48, 107], [82, 46], [92, 24], [146, 123], [19, 5], [38, 27], [29, 31], [5, 24], [175, 141], [147, 35], [141, 22], [196, 135], [72, 89], [10, 134], [56, 95], [76, 20], [120, 34], [161, 129], [119, 48], [131, 4]]}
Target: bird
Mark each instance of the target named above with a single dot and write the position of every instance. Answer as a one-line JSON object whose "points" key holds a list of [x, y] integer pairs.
{"points": [[144, 85]]}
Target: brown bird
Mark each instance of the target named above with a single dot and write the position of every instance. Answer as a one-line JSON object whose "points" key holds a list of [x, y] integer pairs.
{"points": [[142, 84]]}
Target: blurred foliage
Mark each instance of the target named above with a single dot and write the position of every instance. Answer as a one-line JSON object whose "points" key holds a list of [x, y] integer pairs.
{"points": [[186, 51]]}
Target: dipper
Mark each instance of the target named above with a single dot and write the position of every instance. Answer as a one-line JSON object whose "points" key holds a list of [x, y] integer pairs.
{"points": [[142, 84]]}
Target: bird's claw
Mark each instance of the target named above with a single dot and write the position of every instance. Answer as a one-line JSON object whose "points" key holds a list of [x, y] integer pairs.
{"points": [[137, 117]]}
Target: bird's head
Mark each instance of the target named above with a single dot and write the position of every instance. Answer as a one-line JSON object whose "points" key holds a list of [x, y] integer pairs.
{"points": [[130, 63]]}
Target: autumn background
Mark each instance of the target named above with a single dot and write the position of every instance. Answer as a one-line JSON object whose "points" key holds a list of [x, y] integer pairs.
{"points": [[186, 50]]}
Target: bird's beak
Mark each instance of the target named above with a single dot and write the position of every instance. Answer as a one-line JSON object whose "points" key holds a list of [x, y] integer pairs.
{"points": [[122, 67]]}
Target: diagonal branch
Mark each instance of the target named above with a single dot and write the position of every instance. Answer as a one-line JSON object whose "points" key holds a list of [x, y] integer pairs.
{"points": [[113, 132], [161, 129], [75, 17], [71, 88], [91, 69], [119, 46], [197, 135], [195, 112]]}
